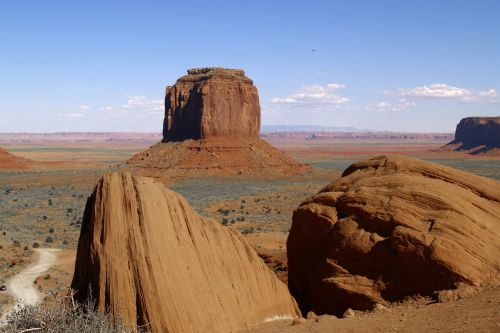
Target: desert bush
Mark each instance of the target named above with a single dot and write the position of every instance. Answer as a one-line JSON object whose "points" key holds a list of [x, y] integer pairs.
{"points": [[36, 245], [49, 240], [64, 316]]}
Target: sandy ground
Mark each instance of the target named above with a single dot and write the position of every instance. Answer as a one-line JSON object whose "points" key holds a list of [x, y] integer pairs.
{"points": [[477, 313]]}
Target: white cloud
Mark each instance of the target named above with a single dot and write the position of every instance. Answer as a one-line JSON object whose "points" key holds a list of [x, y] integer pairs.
{"points": [[72, 115], [383, 105], [397, 106], [144, 103], [315, 95], [446, 91], [106, 108], [490, 93]]}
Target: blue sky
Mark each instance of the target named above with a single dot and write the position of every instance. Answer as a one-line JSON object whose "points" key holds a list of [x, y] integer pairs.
{"points": [[383, 65]]}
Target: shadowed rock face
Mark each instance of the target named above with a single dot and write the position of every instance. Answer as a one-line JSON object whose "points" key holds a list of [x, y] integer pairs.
{"points": [[392, 227], [211, 102], [478, 135], [151, 260], [475, 131]]}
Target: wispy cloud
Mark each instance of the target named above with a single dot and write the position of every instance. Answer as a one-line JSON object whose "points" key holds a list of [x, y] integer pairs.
{"points": [[445, 91], [394, 106], [72, 115], [144, 103], [315, 95]]}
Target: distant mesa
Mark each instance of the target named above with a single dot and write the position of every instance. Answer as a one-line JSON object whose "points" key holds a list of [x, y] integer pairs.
{"points": [[477, 136], [9, 161], [149, 259], [393, 227], [211, 127]]}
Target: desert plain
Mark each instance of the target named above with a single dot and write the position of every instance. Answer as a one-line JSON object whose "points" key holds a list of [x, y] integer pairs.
{"points": [[42, 204]]}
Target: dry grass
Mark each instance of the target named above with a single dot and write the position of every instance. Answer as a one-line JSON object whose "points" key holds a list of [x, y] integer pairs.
{"points": [[63, 316]]}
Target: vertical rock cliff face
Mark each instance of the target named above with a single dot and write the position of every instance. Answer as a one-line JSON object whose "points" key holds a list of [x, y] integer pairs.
{"points": [[476, 135], [150, 260], [211, 102]]}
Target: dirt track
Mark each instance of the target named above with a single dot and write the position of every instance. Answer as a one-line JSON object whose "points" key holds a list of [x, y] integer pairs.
{"points": [[21, 285]]}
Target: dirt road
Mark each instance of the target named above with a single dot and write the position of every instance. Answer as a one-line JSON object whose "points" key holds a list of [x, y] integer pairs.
{"points": [[21, 285]]}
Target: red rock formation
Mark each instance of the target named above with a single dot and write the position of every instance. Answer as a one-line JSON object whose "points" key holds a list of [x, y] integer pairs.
{"points": [[151, 260], [211, 102], [477, 135], [392, 227], [9, 161], [211, 127]]}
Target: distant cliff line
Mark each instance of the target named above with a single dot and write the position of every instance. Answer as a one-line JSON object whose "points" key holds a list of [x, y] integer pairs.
{"points": [[109, 137]]}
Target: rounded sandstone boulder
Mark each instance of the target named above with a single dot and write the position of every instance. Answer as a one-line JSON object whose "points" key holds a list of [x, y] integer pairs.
{"points": [[392, 227]]}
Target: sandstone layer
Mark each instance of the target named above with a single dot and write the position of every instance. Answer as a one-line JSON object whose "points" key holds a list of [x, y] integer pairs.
{"points": [[149, 259], [477, 135], [211, 102], [9, 161], [392, 227]]}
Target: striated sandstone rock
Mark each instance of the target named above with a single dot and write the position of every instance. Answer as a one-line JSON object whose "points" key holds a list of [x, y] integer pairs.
{"points": [[478, 135], [151, 260], [392, 227], [211, 102]]}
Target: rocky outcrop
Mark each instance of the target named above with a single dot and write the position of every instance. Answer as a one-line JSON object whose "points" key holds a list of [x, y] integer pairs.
{"points": [[477, 135], [211, 127], [211, 102], [150, 260], [392, 227], [9, 161]]}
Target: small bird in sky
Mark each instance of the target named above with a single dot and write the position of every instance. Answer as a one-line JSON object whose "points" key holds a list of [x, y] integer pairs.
{"points": [[314, 50]]}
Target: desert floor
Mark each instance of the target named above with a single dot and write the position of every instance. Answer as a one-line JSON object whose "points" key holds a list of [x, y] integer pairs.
{"points": [[43, 207]]}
